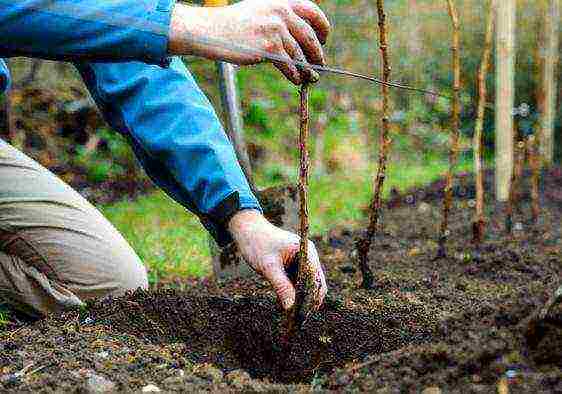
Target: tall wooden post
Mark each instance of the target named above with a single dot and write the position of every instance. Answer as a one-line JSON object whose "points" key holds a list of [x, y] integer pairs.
{"points": [[551, 57], [233, 127], [415, 46], [505, 65], [231, 108]]}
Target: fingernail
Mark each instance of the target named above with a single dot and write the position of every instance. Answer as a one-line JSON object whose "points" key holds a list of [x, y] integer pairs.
{"points": [[288, 302]]}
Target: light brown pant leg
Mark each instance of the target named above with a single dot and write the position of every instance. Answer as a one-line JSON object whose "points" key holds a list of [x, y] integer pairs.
{"points": [[56, 249]]}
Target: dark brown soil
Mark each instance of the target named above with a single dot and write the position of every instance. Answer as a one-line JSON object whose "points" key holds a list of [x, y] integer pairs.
{"points": [[456, 323]]}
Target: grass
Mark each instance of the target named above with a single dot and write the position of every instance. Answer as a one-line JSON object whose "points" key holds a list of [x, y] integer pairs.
{"points": [[3, 317], [172, 242]]}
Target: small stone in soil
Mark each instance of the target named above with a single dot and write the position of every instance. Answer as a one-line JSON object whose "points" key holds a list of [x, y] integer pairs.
{"points": [[424, 208], [238, 378], [98, 384], [9, 380], [150, 388], [431, 390], [208, 372]]}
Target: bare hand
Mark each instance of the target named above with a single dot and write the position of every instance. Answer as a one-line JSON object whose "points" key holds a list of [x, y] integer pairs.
{"points": [[269, 250], [289, 29]]}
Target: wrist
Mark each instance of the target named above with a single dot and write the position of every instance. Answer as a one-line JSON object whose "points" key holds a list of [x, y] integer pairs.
{"points": [[243, 221], [192, 28], [187, 22]]}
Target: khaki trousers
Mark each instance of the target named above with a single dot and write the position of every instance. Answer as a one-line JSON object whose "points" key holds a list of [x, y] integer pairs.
{"points": [[56, 249]]}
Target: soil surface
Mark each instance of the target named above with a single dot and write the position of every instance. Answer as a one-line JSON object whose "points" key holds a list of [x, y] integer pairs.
{"points": [[455, 324]]}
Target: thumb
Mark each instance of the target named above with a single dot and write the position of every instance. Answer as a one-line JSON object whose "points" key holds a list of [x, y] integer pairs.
{"points": [[283, 287]]}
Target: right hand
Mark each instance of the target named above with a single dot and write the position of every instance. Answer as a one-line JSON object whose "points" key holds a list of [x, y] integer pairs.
{"points": [[290, 29], [270, 250]]}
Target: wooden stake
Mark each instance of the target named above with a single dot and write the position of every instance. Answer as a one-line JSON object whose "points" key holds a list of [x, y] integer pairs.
{"points": [[454, 136], [505, 66], [364, 244], [551, 56], [479, 216]]}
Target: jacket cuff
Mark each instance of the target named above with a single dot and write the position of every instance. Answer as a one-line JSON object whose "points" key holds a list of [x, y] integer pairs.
{"points": [[219, 217], [162, 16]]}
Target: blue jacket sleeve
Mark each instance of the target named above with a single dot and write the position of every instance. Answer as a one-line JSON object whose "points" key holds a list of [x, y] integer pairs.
{"points": [[75, 30], [176, 135], [5, 80]]}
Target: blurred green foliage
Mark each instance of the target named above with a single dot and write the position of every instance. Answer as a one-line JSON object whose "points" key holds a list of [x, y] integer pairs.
{"points": [[420, 36], [113, 160]]}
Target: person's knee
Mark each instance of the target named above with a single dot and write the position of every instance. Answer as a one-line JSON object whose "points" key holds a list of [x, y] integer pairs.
{"points": [[117, 271], [133, 276]]}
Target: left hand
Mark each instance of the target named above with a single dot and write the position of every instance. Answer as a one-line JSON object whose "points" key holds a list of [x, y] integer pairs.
{"points": [[269, 250]]}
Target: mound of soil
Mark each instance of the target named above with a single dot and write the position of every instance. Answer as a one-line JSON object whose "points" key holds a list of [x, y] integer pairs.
{"points": [[456, 324]]}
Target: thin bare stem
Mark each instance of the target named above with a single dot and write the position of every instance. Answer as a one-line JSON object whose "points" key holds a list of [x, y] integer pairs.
{"points": [[514, 191], [376, 205], [454, 136], [535, 164], [306, 273], [305, 282], [479, 216]]}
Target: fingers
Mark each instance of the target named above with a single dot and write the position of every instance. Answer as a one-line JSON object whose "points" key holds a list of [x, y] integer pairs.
{"points": [[320, 288], [304, 34], [312, 14], [287, 68], [296, 54], [320, 278], [283, 287]]}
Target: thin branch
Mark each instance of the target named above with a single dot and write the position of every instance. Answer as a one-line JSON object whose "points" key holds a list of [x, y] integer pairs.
{"points": [[305, 282], [514, 191], [479, 216], [374, 214], [454, 136], [533, 144]]}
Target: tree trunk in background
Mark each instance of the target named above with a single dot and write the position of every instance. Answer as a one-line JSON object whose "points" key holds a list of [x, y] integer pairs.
{"points": [[415, 45], [505, 62], [549, 74]]}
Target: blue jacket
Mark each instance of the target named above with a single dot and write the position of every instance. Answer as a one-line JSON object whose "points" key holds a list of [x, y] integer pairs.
{"points": [[153, 100]]}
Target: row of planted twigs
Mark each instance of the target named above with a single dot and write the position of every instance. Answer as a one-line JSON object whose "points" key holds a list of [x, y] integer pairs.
{"points": [[529, 148]]}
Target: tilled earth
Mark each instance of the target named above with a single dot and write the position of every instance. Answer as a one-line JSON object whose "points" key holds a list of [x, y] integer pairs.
{"points": [[456, 324]]}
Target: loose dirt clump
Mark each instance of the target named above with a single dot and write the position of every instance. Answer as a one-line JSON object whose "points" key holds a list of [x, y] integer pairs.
{"points": [[457, 324]]}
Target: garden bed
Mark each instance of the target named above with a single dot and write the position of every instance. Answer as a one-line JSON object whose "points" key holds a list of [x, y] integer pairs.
{"points": [[457, 323]]}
